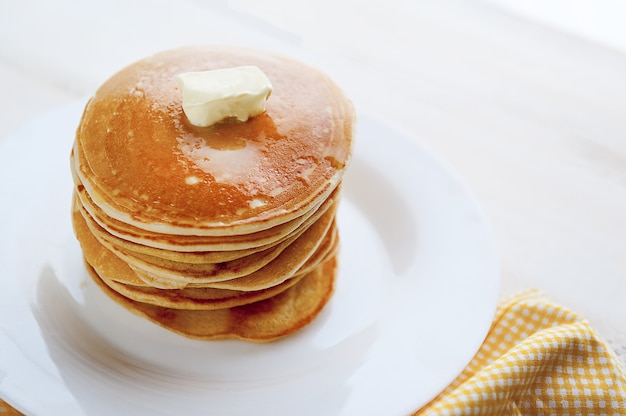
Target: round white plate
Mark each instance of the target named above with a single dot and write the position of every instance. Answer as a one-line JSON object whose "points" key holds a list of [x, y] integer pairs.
{"points": [[416, 293]]}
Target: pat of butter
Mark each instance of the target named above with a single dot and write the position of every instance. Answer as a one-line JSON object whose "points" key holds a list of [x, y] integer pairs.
{"points": [[212, 96]]}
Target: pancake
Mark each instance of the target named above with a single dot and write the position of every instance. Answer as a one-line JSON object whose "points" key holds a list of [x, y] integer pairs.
{"points": [[197, 298], [111, 269], [263, 271], [306, 251], [208, 298], [240, 265], [185, 243], [145, 165], [226, 231], [263, 321]]}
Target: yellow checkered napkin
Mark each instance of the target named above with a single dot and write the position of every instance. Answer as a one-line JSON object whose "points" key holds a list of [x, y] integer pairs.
{"points": [[538, 359]]}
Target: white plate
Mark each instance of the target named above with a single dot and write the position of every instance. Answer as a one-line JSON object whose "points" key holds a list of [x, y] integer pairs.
{"points": [[416, 294]]}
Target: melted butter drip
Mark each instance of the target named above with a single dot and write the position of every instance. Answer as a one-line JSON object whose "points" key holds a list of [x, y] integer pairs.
{"points": [[243, 156], [230, 166]]}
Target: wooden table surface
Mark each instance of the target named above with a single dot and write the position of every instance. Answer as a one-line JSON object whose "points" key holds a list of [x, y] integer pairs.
{"points": [[534, 120]]}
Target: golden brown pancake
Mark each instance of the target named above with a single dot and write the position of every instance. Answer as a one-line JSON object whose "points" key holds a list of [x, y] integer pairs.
{"points": [[305, 252], [214, 271], [225, 231], [196, 298], [145, 165], [262, 321], [105, 264], [186, 243]]}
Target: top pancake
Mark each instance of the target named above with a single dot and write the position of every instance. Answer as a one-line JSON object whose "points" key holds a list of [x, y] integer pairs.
{"points": [[144, 164]]}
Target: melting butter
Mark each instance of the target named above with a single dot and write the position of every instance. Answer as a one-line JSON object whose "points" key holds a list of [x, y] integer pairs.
{"points": [[212, 96]]}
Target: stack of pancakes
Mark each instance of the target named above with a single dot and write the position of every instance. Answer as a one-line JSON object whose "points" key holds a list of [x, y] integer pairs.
{"points": [[213, 232]]}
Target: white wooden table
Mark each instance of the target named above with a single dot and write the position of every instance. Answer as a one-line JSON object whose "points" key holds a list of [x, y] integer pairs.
{"points": [[534, 120]]}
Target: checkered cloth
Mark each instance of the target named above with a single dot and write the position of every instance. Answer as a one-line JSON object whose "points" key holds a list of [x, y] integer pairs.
{"points": [[538, 359]]}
